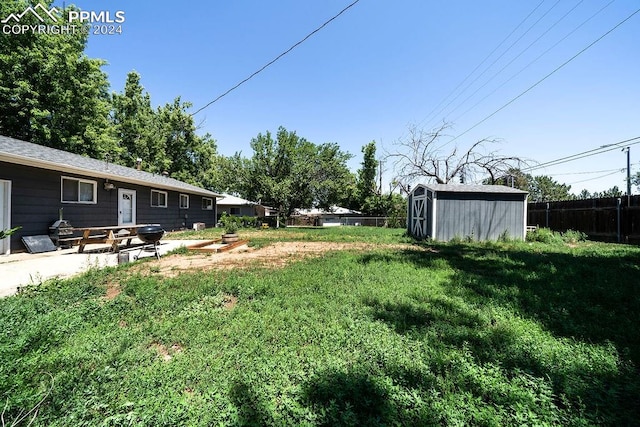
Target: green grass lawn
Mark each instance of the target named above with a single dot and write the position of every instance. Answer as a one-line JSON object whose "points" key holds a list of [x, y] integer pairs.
{"points": [[442, 334]]}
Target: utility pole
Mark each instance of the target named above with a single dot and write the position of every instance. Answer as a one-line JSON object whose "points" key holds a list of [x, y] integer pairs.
{"points": [[628, 175], [380, 162]]}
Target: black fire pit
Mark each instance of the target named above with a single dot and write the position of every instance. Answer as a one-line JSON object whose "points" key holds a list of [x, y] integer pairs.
{"points": [[151, 235]]}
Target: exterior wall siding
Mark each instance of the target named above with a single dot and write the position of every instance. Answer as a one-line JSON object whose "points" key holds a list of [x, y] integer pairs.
{"points": [[482, 216], [244, 210], [36, 202]]}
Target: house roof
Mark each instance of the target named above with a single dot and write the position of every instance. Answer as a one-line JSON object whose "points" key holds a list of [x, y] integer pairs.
{"points": [[333, 210], [464, 188], [229, 200], [29, 154]]}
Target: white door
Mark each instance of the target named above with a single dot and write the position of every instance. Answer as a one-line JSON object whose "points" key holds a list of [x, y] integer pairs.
{"points": [[5, 214], [126, 206]]}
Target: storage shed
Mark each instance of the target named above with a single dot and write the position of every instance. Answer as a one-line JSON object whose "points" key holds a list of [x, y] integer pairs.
{"points": [[480, 212]]}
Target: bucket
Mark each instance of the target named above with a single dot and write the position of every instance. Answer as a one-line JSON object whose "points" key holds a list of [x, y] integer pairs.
{"points": [[123, 257]]}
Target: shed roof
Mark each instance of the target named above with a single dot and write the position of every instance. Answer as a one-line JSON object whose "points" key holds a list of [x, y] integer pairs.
{"points": [[464, 188], [29, 154]]}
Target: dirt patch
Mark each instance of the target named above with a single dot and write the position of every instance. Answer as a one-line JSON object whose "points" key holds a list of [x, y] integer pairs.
{"points": [[230, 302], [276, 255], [166, 353], [113, 290]]}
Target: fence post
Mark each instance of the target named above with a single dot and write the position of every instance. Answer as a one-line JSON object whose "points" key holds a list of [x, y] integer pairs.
{"points": [[619, 225], [547, 215]]}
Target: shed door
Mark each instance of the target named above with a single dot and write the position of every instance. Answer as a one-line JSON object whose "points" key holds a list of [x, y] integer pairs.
{"points": [[126, 206], [5, 214], [419, 208]]}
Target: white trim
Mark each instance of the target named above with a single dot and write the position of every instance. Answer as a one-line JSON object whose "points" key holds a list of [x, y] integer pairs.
{"points": [[7, 221], [433, 217], [211, 206], [134, 204], [83, 180], [166, 199], [524, 235], [180, 201]]}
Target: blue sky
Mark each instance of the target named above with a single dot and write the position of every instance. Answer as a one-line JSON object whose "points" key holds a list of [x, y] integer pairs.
{"points": [[385, 65]]}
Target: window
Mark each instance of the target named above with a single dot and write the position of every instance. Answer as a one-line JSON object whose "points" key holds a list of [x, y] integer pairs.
{"points": [[76, 190], [184, 201], [234, 211], [207, 204], [158, 199]]}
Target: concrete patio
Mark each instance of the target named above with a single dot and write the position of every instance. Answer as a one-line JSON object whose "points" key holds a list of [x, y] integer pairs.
{"points": [[23, 269]]}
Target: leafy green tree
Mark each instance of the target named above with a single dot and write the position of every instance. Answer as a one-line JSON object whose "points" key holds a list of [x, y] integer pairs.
{"points": [[51, 93], [366, 182], [136, 128], [611, 192], [635, 180], [185, 155], [584, 194], [515, 178], [545, 189], [289, 172]]}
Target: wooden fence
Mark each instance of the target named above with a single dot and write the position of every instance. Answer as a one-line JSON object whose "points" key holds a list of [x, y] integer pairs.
{"points": [[609, 219]]}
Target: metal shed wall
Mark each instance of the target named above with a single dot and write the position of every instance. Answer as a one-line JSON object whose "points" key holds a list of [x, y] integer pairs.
{"points": [[480, 216]]}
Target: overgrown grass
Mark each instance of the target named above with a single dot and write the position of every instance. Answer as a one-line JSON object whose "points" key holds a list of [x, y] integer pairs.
{"points": [[457, 334], [259, 237]]}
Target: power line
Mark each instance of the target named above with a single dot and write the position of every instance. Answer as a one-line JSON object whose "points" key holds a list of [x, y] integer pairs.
{"points": [[600, 150], [277, 57], [586, 173], [535, 60], [547, 76], [500, 57], [480, 64], [598, 177]]}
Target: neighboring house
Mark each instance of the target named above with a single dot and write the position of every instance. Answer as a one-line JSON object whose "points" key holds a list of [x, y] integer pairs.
{"points": [[37, 182], [335, 216], [238, 206], [481, 212]]}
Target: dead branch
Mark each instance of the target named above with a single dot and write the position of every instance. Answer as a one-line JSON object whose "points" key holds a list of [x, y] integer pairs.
{"points": [[424, 156]]}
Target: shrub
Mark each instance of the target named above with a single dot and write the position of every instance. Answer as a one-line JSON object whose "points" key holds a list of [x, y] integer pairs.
{"points": [[544, 235], [574, 236], [230, 223]]}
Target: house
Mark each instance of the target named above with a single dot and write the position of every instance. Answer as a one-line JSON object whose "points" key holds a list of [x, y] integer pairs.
{"points": [[38, 184], [238, 206], [332, 217], [481, 212]]}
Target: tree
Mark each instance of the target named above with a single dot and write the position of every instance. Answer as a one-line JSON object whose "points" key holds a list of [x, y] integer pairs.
{"points": [[51, 93], [515, 178], [289, 172], [584, 194], [635, 180], [135, 126], [366, 182], [185, 155], [424, 155], [545, 189], [612, 192]]}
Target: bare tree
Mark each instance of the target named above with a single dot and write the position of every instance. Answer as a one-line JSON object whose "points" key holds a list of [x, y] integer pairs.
{"points": [[426, 155]]}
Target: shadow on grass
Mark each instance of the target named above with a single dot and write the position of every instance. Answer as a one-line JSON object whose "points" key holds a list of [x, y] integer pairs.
{"points": [[251, 410], [590, 297], [348, 399], [595, 299]]}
